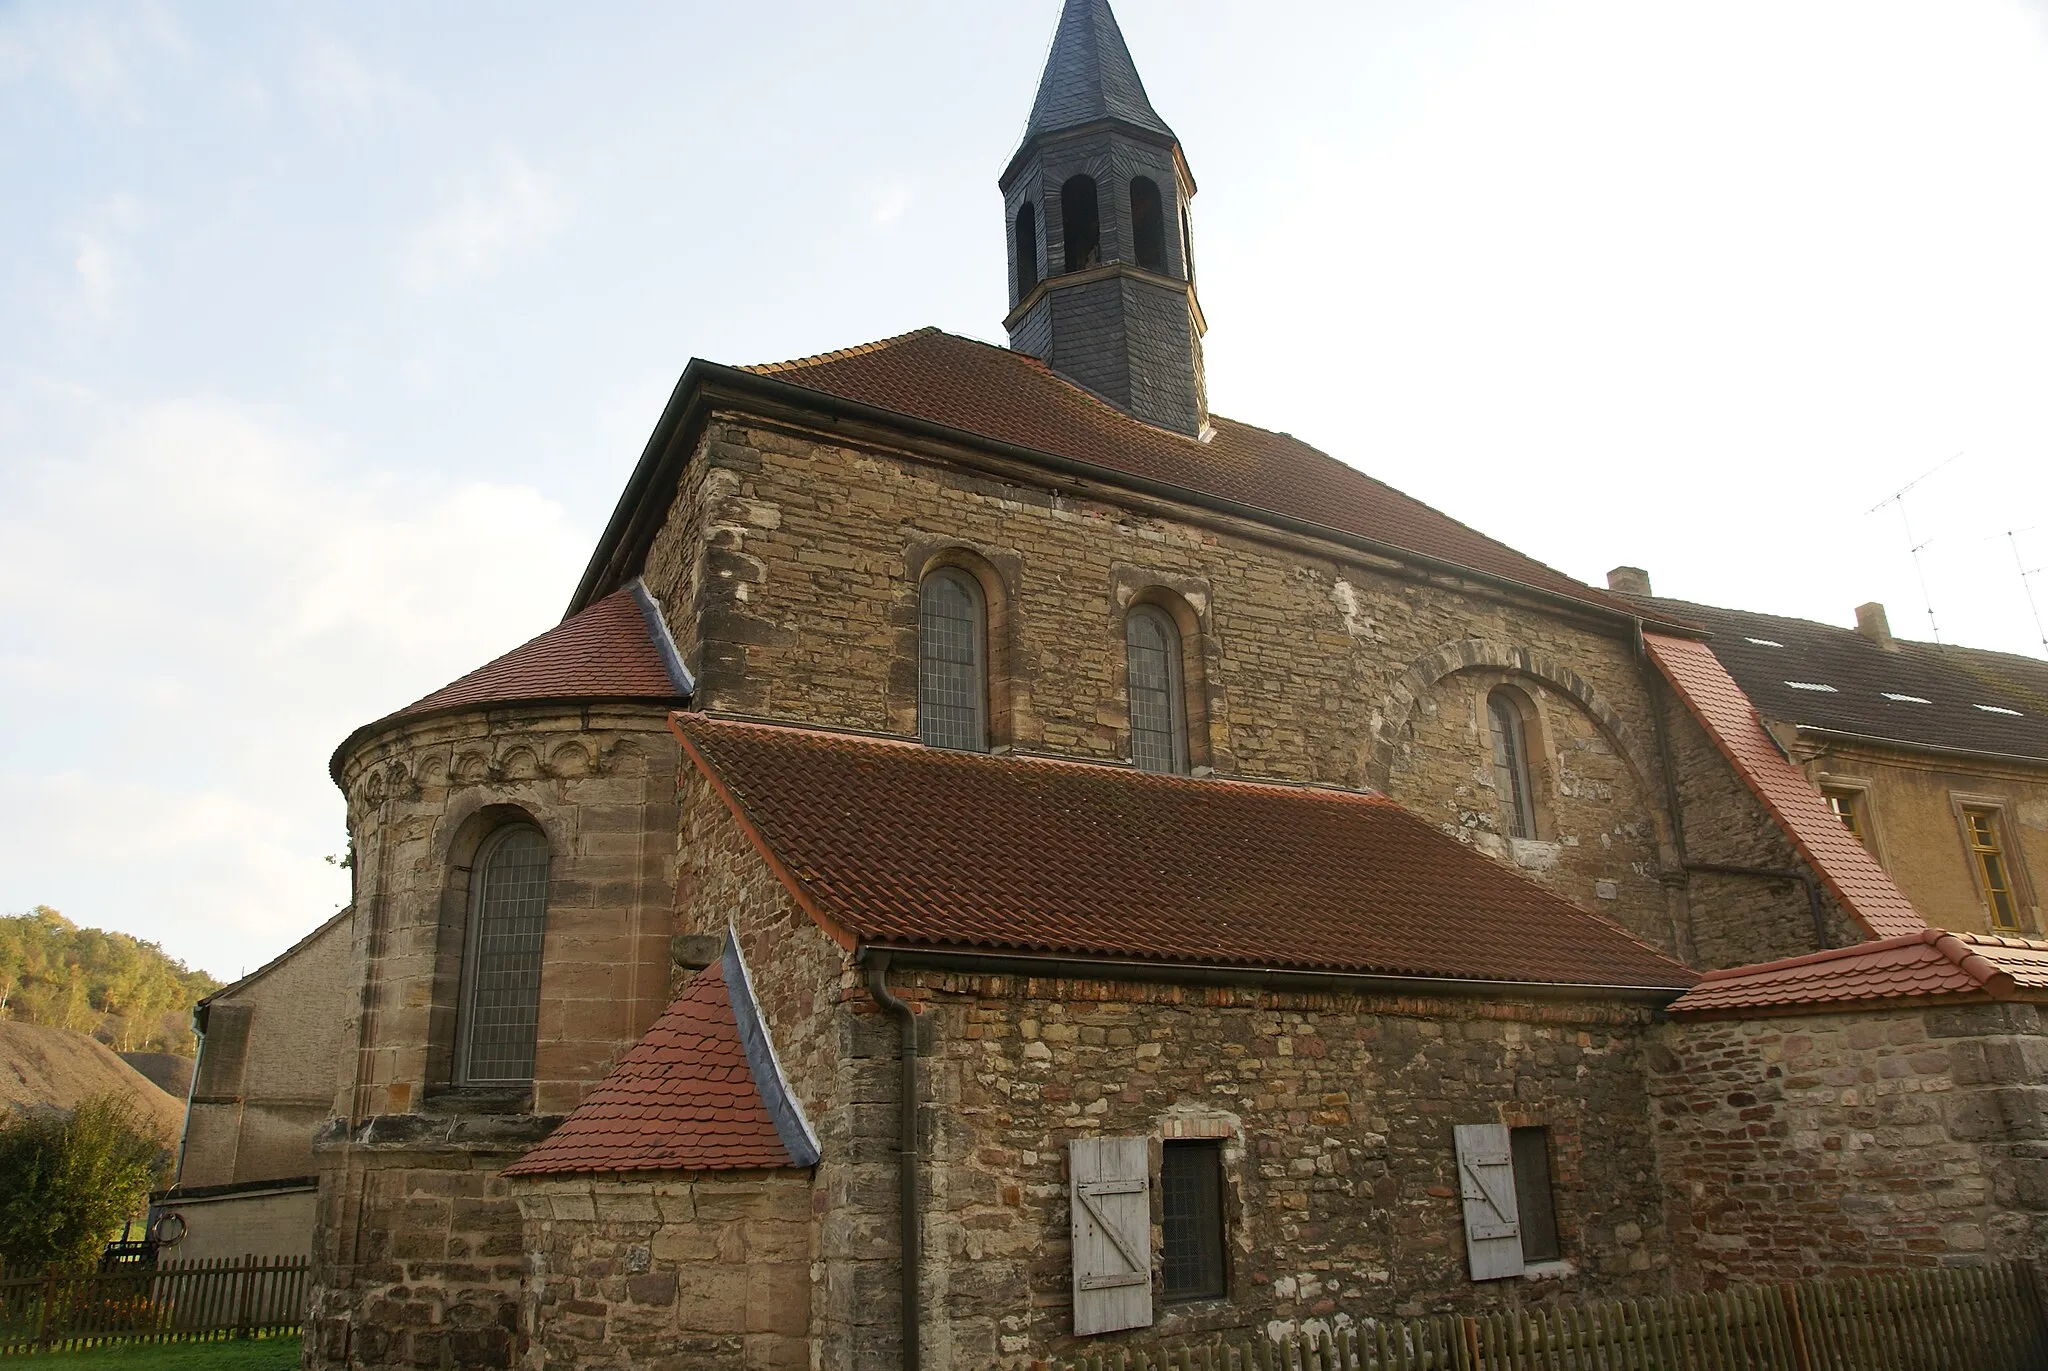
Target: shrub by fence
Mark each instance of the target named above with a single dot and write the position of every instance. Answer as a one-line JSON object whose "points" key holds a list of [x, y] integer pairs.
{"points": [[1985, 1318], [170, 1302]]}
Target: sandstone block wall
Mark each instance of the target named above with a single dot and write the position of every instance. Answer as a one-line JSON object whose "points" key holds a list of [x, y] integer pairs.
{"points": [[709, 1271], [1836, 1144], [1911, 826]]}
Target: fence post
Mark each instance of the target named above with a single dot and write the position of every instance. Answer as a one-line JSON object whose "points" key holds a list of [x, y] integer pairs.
{"points": [[247, 1271], [43, 1330], [1790, 1295]]}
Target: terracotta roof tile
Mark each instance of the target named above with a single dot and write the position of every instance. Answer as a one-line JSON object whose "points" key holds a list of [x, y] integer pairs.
{"points": [[1930, 964], [1842, 863], [682, 1099], [904, 845], [1014, 398], [616, 649]]}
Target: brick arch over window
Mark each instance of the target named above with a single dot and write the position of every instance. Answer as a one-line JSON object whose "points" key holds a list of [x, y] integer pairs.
{"points": [[1468, 654]]}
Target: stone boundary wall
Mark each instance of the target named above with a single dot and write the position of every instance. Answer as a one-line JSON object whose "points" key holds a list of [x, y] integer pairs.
{"points": [[709, 1271], [1852, 1143]]}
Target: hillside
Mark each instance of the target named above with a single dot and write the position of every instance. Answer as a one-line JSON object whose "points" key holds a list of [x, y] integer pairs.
{"points": [[59, 1068], [126, 992]]}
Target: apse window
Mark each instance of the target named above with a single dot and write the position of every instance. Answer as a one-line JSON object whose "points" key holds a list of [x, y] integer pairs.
{"points": [[1191, 1203], [1538, 1210], [501, 963], [1988, 852]]}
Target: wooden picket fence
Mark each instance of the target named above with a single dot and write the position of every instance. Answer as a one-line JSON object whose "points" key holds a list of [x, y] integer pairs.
{"points": [[192, 1301], [1982, 1318]]}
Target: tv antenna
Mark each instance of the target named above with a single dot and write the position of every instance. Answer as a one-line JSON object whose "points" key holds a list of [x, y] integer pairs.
{"points": [[2012, 538], [1898, 497]]}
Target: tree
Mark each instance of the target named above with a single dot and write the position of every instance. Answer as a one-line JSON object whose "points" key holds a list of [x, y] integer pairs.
{"points": [[124, 991], [68, 1180]]}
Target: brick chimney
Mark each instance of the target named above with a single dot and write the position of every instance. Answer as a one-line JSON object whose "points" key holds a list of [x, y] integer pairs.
{"points": [[1872, 624], [1629, 580]]}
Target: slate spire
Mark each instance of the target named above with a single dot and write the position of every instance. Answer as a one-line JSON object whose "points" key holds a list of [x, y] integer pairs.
{"points": [[1102, 284], [1090, 77]]}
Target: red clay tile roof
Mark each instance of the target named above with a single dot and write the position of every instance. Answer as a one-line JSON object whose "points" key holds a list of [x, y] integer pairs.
{"points": [[606, 652], [682, 1099], [898, 844], [610, 651], [1015, 398], [1930, 964], [1842, 863]]}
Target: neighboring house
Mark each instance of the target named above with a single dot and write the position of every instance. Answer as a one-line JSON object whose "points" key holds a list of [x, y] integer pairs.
{"points": [[996, 856], [269, 1050], [1934, 756]]}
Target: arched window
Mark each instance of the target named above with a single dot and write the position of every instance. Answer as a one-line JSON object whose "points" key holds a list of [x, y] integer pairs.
{"points": [[1511, 766], [1187, 243], [508, 909], [1027, 250], [1152, 681], [952, 662], [1148, 224], [1082, 222]]}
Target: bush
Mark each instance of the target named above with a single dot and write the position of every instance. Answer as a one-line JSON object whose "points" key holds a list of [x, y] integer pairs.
{"points": [[68, 1180]]}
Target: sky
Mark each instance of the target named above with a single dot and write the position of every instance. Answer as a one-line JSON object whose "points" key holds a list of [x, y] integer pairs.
{"points": [[329, 333]]}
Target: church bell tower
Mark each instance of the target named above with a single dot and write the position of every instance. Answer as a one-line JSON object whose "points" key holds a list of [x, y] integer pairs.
{"points": [[1102, 277]]}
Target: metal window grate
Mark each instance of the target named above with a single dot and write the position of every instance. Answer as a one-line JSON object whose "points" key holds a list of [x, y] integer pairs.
{"points": [[1530, 1148], [509, 921], [1152, 684], [950, 664], [1191, 1199]]}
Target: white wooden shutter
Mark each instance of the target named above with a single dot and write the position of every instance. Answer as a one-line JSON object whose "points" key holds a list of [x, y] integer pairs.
{"points": [[1486, 1177], [1110, 1195]]}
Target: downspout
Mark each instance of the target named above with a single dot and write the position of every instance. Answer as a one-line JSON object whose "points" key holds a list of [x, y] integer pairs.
{"points": [[906, 1154], [1771, 873]]}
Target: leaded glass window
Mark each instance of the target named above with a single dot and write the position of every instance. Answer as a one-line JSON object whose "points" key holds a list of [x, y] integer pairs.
{"points": [[501, 969], [1152, 681], [952, 663], [1511, 766]]}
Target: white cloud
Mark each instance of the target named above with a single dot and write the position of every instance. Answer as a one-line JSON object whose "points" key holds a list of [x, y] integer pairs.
{"points": [[95, 51], [887, 202], [223, 599], [102, 264], [341, 89], [503, 212]]}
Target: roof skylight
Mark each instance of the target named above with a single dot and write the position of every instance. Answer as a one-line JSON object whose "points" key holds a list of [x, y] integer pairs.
{"points": [[2001, 709], [1906, 699], [1763, 642], [1813, 685]]}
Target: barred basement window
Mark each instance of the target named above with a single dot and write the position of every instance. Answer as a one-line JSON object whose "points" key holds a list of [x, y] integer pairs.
{"points": [[952, 662], [501, 963], [1531, 1150], [1511, 766], [1191, 1202], [1152, 683]]}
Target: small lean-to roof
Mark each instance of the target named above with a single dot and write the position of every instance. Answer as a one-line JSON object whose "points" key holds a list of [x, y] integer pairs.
{"points": [[1930, 964], [894, 844], [1015, 399], [1843, 864], [617, 649], [1835, 679], [692, 1095]]}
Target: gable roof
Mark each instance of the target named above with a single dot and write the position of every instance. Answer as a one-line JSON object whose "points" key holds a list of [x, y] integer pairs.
{"points": [[1930, 964], [1010, 397], [1923, 695], [617, 649], [1089, 77], [694, 1094], [893, 844], [1843, 864]]}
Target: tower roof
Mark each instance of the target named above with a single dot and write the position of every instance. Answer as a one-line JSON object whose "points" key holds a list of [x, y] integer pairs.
{"points": [[1090, 77]]}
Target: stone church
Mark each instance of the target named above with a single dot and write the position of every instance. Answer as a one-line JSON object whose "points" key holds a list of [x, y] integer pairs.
{"points": [[998, 857]]}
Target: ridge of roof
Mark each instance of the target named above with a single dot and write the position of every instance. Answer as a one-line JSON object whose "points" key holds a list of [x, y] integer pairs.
{"points": [[837, 354], [1933, 963], [617, 648], [689, 1096], [241, 982], [890, 843], [1844, 865]]}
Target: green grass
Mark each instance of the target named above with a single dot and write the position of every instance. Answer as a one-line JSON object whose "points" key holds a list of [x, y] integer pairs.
{"points": [[247, 1354]]}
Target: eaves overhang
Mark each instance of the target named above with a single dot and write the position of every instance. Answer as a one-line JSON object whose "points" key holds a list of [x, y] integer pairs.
{"points": [[704, 386]]}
